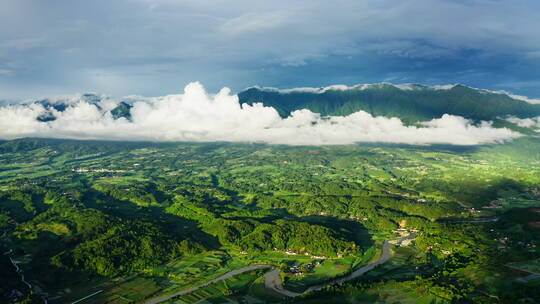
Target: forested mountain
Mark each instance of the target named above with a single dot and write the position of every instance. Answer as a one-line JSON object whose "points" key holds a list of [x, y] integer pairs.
{"points": [[408, 102]]}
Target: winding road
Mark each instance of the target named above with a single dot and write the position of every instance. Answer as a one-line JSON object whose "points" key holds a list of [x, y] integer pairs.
{"points": [[272, 280], [221, 278]]}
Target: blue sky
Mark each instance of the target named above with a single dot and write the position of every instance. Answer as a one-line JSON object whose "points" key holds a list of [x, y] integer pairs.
{"points": [[156, 47]]}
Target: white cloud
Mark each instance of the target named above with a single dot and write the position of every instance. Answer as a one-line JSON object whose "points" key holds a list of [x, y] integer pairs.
{"points": [[256, 22], [523, 98], [198, 116], [525, 122], [342, 87]]}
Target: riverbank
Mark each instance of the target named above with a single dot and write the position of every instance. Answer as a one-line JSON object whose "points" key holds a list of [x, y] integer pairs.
{"points": [[272, 279]]}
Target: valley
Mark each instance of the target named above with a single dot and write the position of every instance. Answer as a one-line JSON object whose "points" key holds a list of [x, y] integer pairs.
{"points": [[105, 222]]}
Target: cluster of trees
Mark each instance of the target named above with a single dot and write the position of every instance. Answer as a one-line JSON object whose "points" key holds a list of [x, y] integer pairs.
{"points": [[144, 194], [377, 213], [125, 248], [300, 237], [20, 205], [73, 237]]}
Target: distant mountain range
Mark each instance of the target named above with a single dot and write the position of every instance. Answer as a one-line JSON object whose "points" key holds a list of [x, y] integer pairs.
{"points": [[409, 102], [120, 109]]}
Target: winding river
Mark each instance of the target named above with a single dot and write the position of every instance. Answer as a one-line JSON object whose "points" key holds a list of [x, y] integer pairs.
{"points": [[272, 279]]}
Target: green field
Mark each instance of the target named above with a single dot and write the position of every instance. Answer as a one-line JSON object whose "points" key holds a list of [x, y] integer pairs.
{"points": [[219, 292]]}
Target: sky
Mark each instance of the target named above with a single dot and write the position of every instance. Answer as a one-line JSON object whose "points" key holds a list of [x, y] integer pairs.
{"points": [[157, 47]]}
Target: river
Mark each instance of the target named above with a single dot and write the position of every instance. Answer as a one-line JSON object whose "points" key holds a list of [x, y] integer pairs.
{"points": [[272, 279]]}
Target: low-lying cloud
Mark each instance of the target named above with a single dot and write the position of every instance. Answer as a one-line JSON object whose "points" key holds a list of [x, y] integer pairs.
{"points": [[533, 122], [200, 117]]}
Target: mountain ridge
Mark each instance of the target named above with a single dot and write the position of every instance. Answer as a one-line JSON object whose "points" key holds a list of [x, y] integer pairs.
{"points": [[410, 103]]}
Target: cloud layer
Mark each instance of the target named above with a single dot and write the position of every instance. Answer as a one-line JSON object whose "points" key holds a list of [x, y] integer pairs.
{"points": [[533, 122], [201, 117]]}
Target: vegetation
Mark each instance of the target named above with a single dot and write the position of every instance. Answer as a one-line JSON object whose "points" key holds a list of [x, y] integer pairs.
{"points": [[139, 220], [418, 104]]}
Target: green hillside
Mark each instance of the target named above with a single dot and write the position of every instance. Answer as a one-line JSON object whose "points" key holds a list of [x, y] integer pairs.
{"points": [[413, 104]]}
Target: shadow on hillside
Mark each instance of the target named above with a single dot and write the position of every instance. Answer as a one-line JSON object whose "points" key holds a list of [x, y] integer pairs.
{"points": [[172, 224], [352, 230]]}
